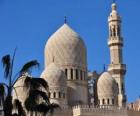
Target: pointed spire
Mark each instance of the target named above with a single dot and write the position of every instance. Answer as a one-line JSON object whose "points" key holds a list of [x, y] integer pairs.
{"points": [[113, 1], [65, 20], [114, 6], [104, 68]]}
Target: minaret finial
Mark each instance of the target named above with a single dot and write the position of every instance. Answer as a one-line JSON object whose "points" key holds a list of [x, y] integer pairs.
{"points": [[65, 19], [114, 1], [104, 67]]}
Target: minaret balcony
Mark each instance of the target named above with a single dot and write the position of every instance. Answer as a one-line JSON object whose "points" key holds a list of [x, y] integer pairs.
{"points": [[117, 68], [115, 41]]}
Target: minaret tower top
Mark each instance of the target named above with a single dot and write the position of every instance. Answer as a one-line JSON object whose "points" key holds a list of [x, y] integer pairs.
{"points": [[115, 42]]}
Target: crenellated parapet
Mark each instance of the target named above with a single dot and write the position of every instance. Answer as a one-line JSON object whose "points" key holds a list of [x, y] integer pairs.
{"points": [[86, 110]]}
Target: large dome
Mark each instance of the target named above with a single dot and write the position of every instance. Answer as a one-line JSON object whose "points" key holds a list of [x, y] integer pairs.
{"points": [[106, 86], [65, 47]]}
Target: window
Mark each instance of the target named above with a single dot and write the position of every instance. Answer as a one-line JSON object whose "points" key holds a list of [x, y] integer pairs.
{"points": [[76, 74], [103, 101], [59, 95], [81, 75], [54, 95], [72, 74], [114, 32], [66, 72], [84, 78], [108, 101]]}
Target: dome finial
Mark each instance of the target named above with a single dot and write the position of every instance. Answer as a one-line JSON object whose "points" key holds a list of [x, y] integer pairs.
{"points": [[65, 20], [113, 1], [114, 6], [104, 68]]}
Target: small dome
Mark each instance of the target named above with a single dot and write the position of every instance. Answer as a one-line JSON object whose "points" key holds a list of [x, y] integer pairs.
{"points": [[19, 92], [65, 47], [54, 76], [57, 84], [106, 86]]}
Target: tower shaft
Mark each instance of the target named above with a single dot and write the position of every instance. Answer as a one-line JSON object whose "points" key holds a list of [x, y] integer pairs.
{"points": [[115, 42]]}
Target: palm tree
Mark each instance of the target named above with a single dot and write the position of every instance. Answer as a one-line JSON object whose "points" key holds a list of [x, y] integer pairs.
{"points": [[8, 63], [38, 100]]}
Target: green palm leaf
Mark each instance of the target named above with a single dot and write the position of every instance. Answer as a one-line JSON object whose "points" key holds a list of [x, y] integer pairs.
{"points": [[28, 66], [6, 61]]}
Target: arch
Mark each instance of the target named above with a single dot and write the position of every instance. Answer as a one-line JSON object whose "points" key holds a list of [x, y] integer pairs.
{"points": [[103, 101], [71, 71], [114, 31], [76, 74], [81, 75], [59, 94], [54, 95], [108, 101], [66, 72]]}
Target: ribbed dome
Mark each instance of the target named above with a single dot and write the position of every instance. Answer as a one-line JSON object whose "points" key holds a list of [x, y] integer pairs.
{"points": [[106, 85], [65, 47], [19, 92], [54, 76]]}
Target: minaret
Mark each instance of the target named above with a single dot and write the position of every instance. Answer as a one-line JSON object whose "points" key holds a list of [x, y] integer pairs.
{"points": [[115, 43]]}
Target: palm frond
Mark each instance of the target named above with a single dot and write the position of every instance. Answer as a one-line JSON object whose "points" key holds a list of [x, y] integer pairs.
{"points": [[28, 66], [17, 105], [40, 94], [6, 61], [2, 90], [35, 83]]}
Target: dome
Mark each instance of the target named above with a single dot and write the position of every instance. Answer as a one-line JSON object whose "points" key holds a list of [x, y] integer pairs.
{"points": [[106, 86], [65, 47], [57, 84], [19, 92], [54, 76]]}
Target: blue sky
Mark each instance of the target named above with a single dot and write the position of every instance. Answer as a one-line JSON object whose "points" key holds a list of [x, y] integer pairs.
{"points": [[28, 24]]}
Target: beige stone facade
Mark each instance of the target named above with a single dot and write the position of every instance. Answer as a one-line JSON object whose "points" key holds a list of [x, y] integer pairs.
{"points": [[68, 77]]}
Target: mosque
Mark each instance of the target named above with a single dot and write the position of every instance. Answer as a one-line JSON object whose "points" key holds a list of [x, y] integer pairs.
{"points": [[77, 91]]}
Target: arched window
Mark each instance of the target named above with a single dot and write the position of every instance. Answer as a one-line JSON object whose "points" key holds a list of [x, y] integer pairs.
{"points": [[76, 74], [103, 101], [81, 75], [54, 95], [72, 74], [118, 31], [114, 32], [122, 88], [108, 101], [113, 101], [66, 72], [59, 95], [84, 75]]}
